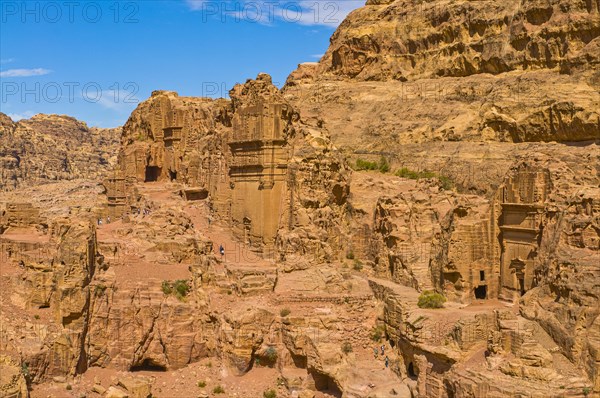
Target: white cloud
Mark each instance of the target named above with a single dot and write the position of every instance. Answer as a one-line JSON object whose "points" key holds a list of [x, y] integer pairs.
{"points": [[305, 12], [19, 116], [6, 61], [117, 100], [317, 56], [197, 4], [24, 72]]}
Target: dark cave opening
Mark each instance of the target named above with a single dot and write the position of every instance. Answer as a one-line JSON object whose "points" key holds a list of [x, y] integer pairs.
{"points": [[325, 384], [411, 371], [149, 366], [481, 292], [152, 173]]}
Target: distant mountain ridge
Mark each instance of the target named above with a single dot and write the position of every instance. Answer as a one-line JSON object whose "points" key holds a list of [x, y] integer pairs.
{"points": [[48, 148]]}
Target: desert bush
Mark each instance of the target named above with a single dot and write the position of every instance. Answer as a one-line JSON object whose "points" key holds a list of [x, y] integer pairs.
{"points": [[271, 354], [362, 164], [166, 287], [357, 265], [377, 332], [284, 312], [445, 182], [218, 390], [384, 165], [270, 394], [180, 288], [346, 347], [25, 370], [202, 384], [429, 299], [99, 289]]}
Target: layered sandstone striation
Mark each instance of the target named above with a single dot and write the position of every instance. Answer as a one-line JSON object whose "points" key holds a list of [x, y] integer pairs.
{"points": [[454, 71], [407, 40]]}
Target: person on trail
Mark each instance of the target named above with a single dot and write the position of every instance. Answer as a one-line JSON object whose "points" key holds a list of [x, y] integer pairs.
{"points": [[375, 352], [221, 250], [382, 349], [387, 361], [108, 220]]}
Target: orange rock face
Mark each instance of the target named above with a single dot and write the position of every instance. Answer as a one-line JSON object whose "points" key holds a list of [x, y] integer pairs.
{"points": [[416, 215]]}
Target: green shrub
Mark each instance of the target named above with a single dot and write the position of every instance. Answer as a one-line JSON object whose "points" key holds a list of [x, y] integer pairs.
{"points": [[209, 364], [270, 394], [271, 354], [99, 290], [445, 182], [350, 255], [362, 164], [25, 370], [357, 265], [377, 333], [181, 288], [586, 391], [36, 316], [346, 348], [201, 384], [218, 390], [166, 287], [284, 312], [414, 175], [69, 387], [429, 299], [384, 165]]}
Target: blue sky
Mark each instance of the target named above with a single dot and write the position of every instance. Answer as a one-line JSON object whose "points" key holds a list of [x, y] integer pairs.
{"points": [[95, 60]]}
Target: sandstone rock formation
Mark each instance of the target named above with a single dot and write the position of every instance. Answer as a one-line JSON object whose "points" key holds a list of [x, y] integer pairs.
{"points": [[473, 129], [271, 175], [50, 148], [456, 70]]}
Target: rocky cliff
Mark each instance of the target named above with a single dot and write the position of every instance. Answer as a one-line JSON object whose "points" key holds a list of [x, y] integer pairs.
{"points": [[409, 40], [232, 247], [49, 148], [404, 71], [274, 176]]}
